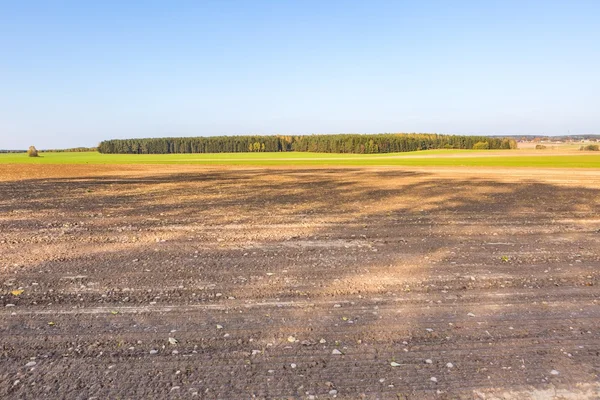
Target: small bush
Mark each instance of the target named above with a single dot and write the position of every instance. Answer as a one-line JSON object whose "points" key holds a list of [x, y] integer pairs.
{"points": [[540, 147], [590, 147], [32, 151], [481, 146]]}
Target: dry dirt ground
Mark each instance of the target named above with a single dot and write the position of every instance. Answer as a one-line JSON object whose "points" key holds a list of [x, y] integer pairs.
{"points": [[390, 283]]}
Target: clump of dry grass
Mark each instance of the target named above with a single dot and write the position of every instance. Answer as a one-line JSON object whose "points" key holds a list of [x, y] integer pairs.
{"points": [[32, 151], [590, 147]]}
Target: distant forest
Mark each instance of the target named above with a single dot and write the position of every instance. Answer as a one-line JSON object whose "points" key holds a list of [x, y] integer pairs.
{"points": [[347, 143], [71, 150]]}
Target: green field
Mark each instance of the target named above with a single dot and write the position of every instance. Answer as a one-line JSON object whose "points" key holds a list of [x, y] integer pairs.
{"points": [[473, 158]]}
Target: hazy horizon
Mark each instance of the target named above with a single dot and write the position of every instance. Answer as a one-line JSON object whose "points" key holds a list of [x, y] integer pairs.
{"points": [[75, 74]]}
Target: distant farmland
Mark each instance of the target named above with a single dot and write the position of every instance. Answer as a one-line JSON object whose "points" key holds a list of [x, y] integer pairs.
{"points": [[564, 158]]}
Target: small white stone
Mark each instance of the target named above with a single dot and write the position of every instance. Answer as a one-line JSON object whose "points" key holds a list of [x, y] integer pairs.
{"points": [[30, 364], [428, 361], [433, 379], [322, 341], [554, 372], [470, 314], [336, 352], [449, 365], [332, 392], [293, 365], [153, 351]]}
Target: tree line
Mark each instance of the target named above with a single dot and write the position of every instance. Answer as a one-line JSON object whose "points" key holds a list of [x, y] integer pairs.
{"points": [[70, 150], [343, 143]]}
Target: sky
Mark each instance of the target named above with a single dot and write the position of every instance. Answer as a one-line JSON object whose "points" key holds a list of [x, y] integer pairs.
{"points": [[73, 73]]}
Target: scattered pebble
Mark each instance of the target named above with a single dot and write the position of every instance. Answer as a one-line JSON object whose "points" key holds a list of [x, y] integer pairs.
{"points": [[554, 372], [394, 364], [433, 379], [219, 326], [428, 361], [153, 351], [470, 314], [332, 392], [291, 339], [173, 341], [322, 341], [293, 365], [336, 352], [30, 364], [449, 365]]}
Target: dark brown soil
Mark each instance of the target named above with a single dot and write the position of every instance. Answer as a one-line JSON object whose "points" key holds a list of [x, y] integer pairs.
{"points": [[380, 283]]}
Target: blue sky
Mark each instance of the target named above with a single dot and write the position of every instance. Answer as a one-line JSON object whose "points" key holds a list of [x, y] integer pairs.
{"points": [[75, 72]]}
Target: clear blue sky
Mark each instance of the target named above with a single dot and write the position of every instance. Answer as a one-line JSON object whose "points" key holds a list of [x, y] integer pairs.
{"points": [[75, 72]]}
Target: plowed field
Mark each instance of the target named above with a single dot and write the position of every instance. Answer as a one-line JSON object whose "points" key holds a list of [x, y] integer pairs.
{"points": [[171, 281]]}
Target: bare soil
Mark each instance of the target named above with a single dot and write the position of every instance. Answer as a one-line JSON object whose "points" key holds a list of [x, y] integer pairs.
{"points": [[378, 283]]}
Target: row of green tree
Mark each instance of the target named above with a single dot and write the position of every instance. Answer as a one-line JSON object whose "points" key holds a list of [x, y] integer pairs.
{"points": [[70, 150], [346, 143]]}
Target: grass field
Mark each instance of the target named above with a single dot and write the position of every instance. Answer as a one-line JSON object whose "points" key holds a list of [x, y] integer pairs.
{"points": [[474, 158]]}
